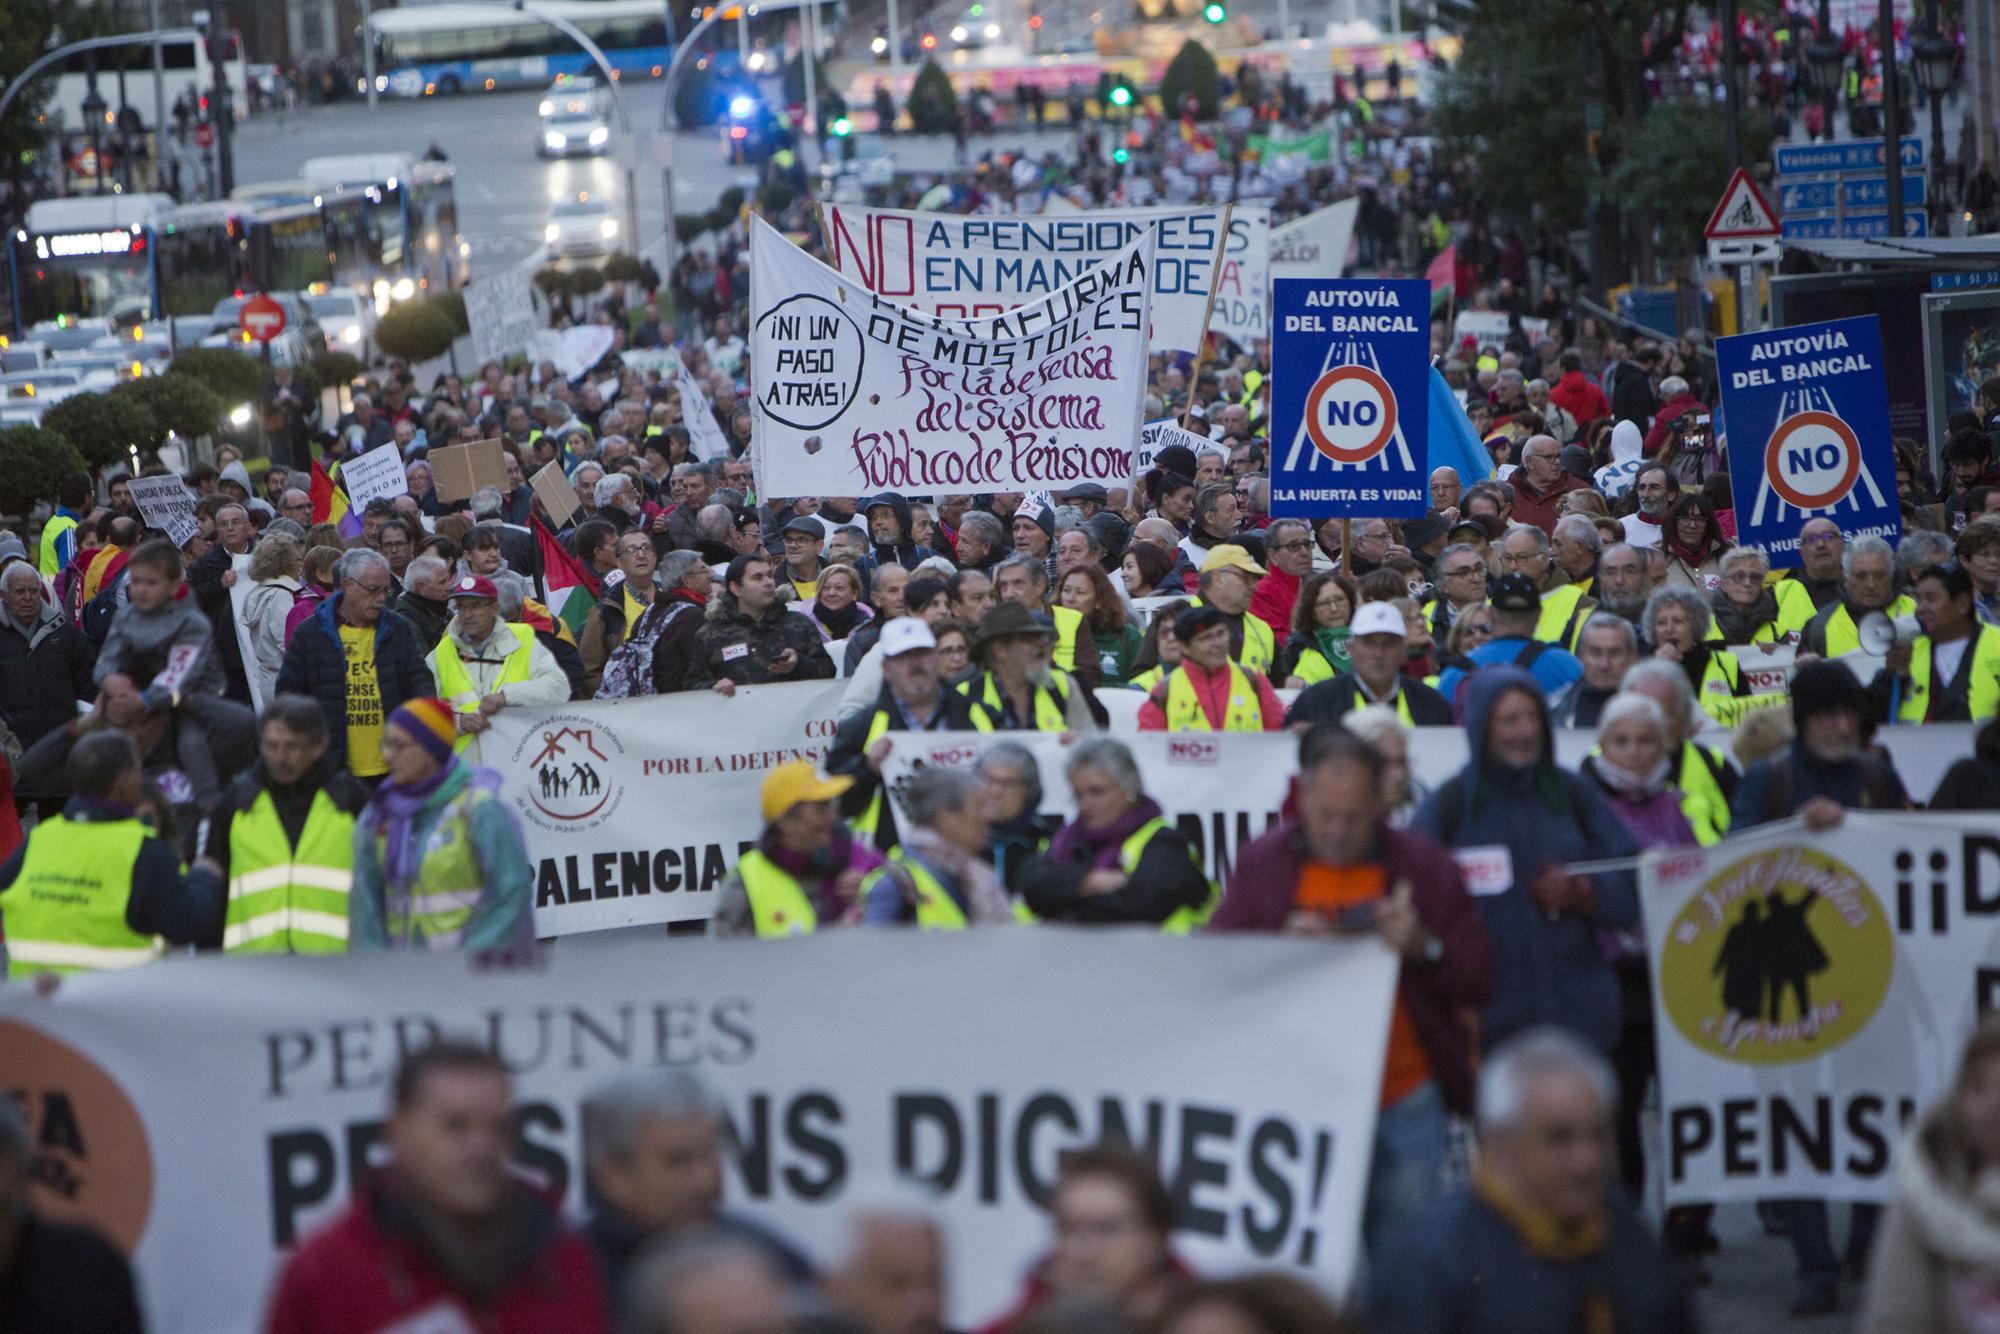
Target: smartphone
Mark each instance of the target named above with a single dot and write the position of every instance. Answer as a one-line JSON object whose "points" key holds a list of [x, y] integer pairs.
{"points": [[1356, 918]]}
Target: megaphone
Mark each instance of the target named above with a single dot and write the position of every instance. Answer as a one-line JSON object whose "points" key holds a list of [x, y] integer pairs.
{"points": [[1879, 633]]}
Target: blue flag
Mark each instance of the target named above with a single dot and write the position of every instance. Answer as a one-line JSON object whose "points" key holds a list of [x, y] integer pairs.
{"points": [[1452, 442]]}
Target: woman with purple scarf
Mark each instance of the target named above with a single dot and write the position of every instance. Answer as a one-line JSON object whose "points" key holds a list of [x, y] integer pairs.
{"points": [[438, 859], [1118, 860]]}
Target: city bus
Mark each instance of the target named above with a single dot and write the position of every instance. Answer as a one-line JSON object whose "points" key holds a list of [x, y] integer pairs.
{"points": [[87, 257], [206, 253], [414, 233], [185, 69], [442, 49]]}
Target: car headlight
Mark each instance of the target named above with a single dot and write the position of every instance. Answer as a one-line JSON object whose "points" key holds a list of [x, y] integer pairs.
{"points": [[553, 140], [404, 289], [240, 415], [550, 233], [547, 108], [351, 334], [992, 31], [609, 227], [740, 106], [600, 136], [959, 33], [381, 82]]}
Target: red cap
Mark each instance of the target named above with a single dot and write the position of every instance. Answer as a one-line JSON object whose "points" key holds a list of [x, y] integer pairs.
{"points": [[473, 586]]}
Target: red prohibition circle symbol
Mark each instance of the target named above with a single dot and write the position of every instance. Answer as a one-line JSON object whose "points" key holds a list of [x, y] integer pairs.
{"points": [[1382, 407], [1845, 441]]}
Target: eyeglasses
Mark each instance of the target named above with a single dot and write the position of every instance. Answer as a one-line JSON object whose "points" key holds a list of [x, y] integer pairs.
{"points": [[1521, 558], [1296, 544], [1463, 571], [1750, 577]]}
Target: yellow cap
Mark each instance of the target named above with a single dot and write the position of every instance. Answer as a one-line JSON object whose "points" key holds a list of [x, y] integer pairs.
{"points": [[1229, 556], [789, 784]]}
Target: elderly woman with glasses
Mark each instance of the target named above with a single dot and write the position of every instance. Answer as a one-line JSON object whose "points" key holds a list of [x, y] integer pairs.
{"points": [[1677, 622], [1119, 860]]}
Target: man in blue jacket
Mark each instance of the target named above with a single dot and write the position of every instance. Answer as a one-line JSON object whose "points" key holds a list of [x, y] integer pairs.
{"points": [[1517, 609]]}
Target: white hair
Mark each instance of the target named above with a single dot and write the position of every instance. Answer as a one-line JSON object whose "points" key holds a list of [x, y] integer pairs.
{"points": [[1666, 673], [1673, 387], [1579, 528], [1633, 705], [610, 486], [1510, 1074], [1372, 722], [613, 1112], [1745, 556]]}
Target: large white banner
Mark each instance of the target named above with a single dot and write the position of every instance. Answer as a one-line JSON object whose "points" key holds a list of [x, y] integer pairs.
{"points": [[501, 312], [965, 266], [1315, 246], [206, 1114], [634, 810], [856, 394], [1812, 993]]}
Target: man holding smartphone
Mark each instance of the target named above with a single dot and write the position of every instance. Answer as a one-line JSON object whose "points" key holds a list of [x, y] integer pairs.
{"points": [[751, 638], [1337, 869]]}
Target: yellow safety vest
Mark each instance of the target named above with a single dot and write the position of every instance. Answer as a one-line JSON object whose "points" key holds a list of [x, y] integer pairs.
{"points": [[1184, 920], [286, 900], [1149, 678], [1051, 703], [455, 683], [779, 905], [1563, 616], [65, 911], [1982, 696], [871, 818], [1795, 609], [1245, 712], [47, 563], [1361, 701], [1069, 622], [1313, 667], [1702, 801], [1843, 636], [936, 910], [1260, 646]]}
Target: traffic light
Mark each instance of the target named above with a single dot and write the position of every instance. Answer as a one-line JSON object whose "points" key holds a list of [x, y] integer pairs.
{"points": [[1215, 12], [1035, 21], [1120, 156], [1121, 95], [842, 127]]}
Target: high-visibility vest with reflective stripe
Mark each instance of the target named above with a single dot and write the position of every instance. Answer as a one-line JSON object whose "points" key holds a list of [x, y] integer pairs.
{"points": [[48, 563], [1313, 667], [1982, 659], [286, 900], [1245, 711], [1184, 920], [1843, 636], [1702, 800], [1562, 621], [936, 909], [455, 683], [1149, 678], [779, 905], [1795, 609], [65, 911], [1051, 702], [1069, 623], [448, 882], [1260, 646], [871, 819]]}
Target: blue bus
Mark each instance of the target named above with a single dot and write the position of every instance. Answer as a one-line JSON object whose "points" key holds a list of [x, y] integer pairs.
{"points": [[413, 242], [443, 49]]}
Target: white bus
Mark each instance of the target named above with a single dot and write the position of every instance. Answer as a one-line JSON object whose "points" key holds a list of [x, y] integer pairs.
{"points": [[186, 70]]}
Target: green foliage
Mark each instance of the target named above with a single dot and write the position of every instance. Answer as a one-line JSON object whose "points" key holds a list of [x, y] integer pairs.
{"points": [[415, 331], [177, 403], [103, 428], [622, 268], [933, 102], [36, 460], [689, 225], [1191, 73], [453, 306], [1670, 160], [775, 197], [551, 280], [336, 368], [25, 27], [583, 280], [236, 377]]}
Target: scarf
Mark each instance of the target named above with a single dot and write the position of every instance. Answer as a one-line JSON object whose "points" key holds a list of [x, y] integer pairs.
{"points": [[1076, 842], [395, 809], [1633, 787], [1738, 624], [839, 624], [1543, 1237], [1693, 557], [1332, 645], [816, 871], [985, 901]]}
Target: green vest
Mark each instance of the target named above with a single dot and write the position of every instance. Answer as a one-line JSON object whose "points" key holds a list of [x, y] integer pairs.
{"points": [[53, 530], [1563, 615], [936, 910], [448, 881], [1312, 667], [65, 911], [1260, 646], [871, 819], [1069, 622], [286, 900], [1702, 801], [779, 905], [455, 683]]}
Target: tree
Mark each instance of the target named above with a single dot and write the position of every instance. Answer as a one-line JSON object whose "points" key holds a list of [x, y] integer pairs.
{"points": [[453, 306], [36, 460], [1191, 73], [236, 376], [1670, 160], [178, 404], [104, 428], [584, 279], [333, 367], [933, 103], [623, 268], [26, 27], [415, 331]]}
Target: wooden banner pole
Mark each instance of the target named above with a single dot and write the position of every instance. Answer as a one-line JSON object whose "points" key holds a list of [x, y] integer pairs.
{"points": [[1201, 343]]}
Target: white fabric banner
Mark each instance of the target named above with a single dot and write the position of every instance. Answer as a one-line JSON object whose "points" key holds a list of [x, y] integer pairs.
{"points": [[619, 803], [206, 1114], [1155, 436], [1813, 991], [965, 266], [855, 394], [501, 311], [1315, 246], [705, 433]]}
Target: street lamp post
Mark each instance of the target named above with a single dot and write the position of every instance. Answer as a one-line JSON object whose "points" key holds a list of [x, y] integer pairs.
{"points": [[1892, 110], [1824, 57], [630, 150], [1936, 59], [93, 116]]}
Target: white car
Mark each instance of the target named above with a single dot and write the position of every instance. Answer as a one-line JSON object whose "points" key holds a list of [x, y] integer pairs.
{"points": [[581, 227], [348, 320], [565, 136], [575, 95]]}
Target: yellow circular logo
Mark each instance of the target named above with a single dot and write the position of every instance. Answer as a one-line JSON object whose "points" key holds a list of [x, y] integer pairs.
{"points": [[1780, 957], [93, 1160]]}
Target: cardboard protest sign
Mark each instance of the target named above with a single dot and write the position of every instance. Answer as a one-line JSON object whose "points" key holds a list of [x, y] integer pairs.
{"points": [[459, 470], [552, 487]]}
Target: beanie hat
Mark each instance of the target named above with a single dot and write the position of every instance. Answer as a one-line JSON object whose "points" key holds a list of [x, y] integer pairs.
{"points": [[1826, 687], [1037, 509], [430, 723], [1176, 459]]}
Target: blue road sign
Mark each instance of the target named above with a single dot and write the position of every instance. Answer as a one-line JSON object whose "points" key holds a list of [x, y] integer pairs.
{"points": [[1946, 282], [1350, 398], [1795, 197], [1873, 191], [1823, 227], [1873, 226], [1845, 155], [1808, 414]]}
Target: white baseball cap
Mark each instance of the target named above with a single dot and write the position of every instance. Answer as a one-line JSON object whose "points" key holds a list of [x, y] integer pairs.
{"points": [[906, 634], [1377, 618]]}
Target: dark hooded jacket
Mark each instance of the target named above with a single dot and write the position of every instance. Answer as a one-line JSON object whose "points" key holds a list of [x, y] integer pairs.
{"points": [[905, 553], [1545, 971]]}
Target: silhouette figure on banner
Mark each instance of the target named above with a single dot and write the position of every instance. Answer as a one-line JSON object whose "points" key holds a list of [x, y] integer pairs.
{"points": [[1770, 950]]}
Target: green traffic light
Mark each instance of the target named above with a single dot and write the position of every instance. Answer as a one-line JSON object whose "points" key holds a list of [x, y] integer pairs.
{"points": [[1120, 156], [1215, 13], [1121, 96], [842, 127], [978, 11]]}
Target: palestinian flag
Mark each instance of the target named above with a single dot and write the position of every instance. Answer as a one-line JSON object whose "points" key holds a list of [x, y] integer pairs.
{"points": [[1443, 275], [329, 500], [572, 589]]}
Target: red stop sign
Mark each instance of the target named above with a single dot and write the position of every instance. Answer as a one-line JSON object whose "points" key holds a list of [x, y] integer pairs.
{"points": [[204, 135], [262, 318]]}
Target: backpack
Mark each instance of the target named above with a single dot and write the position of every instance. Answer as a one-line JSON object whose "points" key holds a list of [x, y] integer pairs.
{"points": [[628, 671], [95, 622]]}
